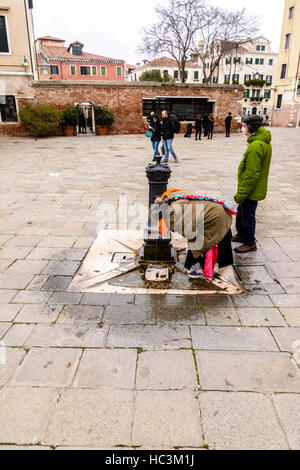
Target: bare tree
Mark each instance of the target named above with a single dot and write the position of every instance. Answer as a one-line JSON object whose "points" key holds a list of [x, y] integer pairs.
{"points": [[183, 25]]}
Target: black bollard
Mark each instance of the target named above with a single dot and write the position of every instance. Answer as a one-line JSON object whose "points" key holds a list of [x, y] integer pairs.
{"points": [[157, 248]]}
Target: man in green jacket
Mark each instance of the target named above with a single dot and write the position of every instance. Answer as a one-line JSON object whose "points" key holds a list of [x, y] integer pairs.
{"points": [[252, 181]]}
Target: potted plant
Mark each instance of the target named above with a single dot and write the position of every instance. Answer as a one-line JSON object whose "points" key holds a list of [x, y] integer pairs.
{"points": [[69, 121], [103, 119]]}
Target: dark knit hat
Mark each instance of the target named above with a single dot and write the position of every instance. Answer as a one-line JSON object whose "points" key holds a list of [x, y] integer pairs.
{"points": [[253, 120]]}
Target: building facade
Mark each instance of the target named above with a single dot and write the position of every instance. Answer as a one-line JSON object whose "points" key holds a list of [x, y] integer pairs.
{"points": [[254, 65], [58, 62], [286, 110], [18, 65], [167, 67]]}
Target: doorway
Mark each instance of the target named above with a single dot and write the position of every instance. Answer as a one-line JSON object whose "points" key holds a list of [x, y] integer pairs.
{"points": [[254, 110], [87, 119]]}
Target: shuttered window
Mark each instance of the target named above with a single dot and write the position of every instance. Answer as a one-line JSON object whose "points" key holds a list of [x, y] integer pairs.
{"points": [[4, 48]]}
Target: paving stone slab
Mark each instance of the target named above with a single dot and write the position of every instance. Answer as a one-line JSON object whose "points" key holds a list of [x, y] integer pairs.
{"points": [[47, 368], [9, 363], [231, 338], [5, 263], [8, 312], [166, 419], [128, 314], [121, 299], [17, 334], [78, 314], [288, 339], [14, 252], [150, 337], [269, 289], [286, 300], [38, 313], [37, 282], [255, 275], [31, 297], [59, 242], [7, 295], [288, 410], [214, 301], [4, 327], [219, 316], [166, 370], [61, 268], [113, 368], [25, 413], [25, 448], [247, 371], [77, 336], [13, 281], [285, 269], [253, 301], [64, 298], [240, 421], [95, 418], [291, 315], [24, 240], [57, 283], [26, 266], [290, 285], [95, 299], [261, 317]]}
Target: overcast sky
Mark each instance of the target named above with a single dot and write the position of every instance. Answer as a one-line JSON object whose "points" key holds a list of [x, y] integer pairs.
{"points": [[112, 27]]}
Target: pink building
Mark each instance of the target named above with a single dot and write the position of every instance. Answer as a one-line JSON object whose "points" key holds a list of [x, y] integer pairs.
{"points": [[57, 62]]}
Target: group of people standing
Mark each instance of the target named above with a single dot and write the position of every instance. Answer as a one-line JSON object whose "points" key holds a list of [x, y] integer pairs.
{"points": [[163, 130], [205, 123]]}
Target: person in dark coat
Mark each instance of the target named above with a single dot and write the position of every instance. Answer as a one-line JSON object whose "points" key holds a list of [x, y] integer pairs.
{"points": [[210, 126], [228, 121], [205, 123], [82, 124], [189, 130], [198, 127], [156, 128], [168, 130], [150, 118]]}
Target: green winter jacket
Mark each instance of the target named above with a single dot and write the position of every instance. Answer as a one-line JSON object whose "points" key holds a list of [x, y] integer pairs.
{"points": [[254, 168]]}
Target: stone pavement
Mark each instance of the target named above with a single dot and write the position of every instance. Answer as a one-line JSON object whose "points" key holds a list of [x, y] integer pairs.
{"points": [[123, 371]]}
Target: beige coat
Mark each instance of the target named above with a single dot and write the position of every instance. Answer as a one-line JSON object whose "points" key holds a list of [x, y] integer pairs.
{"points": [[203, 223]]}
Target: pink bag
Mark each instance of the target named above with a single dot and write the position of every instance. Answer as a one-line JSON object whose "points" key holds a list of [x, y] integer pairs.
{"points": [[210, 262]]}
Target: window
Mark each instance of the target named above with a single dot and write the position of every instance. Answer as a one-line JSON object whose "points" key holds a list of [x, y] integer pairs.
{"points": [[269, 78], [256, 93], [85, 70], [263, 48], [265, 111], [4, 47], [256, 61], [246, 93], [73, 69], [249, 60], [291, 13], [103, 71], [247, 78], [45, 72], [244, 111], [267, 94], [77, 50], [236, 60], [261, 77], [258, 48], [196, 75], [176, 74], [215, 79], [207, 65], [227, 78], [279, 101], [119, 71], [8, 109], [287, 41], [54, 69], [283, 71], [261, 61], [94, 70], [271, 61], [228, 61], [235, 78]]}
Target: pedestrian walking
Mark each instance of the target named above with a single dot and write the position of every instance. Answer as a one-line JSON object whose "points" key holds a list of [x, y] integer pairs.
{"points": [[168, 130], [156, 128], [253, 177], [198, 127], [228, 121], [210, 126]]}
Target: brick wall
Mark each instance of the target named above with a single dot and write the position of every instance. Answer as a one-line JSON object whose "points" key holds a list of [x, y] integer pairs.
{"points": [[288, 116], [125, 99]]}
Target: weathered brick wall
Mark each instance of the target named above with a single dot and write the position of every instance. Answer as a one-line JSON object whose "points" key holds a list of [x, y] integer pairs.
{"points": [[125, 99], [288, 116]]}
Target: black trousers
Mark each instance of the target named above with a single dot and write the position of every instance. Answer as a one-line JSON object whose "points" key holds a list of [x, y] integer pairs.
{"points": [[198, 134], [227, 131], [246, 221], [225, 257], [210, 134]]}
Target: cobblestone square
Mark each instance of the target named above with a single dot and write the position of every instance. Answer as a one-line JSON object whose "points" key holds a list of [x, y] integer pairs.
{"points": [[96, 370]]}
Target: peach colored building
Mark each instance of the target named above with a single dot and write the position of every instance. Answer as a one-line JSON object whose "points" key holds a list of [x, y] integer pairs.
{"points": [[58, 62]]}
